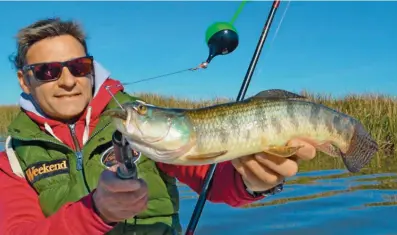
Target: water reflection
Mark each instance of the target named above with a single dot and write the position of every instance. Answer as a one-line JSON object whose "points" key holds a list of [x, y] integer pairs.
{"points": [[322, 199], [308, 185], [335, 184]]}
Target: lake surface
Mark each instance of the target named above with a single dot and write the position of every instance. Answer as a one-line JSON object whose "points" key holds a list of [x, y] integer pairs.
{"points": [[328, 203], [315, 202]]}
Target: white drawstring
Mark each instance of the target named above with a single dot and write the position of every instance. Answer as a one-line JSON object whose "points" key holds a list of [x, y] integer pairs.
{"points": [[86, 127], [49, 129]]}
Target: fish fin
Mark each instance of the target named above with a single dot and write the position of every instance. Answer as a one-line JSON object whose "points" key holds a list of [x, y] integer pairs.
{"points": [[282, 151], [277, 94], [206, 155], [330, 149], [361, 150]]}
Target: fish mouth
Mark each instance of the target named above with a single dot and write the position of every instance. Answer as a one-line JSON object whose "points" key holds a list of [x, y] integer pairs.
{"points": [[120, 118], [117, 113]]}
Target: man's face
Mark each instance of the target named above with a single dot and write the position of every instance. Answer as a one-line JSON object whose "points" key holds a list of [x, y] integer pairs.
{"points": [[67, 97]]}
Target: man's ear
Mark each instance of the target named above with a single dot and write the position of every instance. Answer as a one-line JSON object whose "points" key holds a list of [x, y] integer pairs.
{"points": [[23, 82]]}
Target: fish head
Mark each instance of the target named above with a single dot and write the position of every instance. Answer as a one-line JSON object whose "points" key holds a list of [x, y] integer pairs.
{"points": [[160, 133], [140, 121]]}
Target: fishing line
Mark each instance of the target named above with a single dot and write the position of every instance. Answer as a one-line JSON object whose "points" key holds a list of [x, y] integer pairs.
{"points": [[203, 65], [200, 66], [275, 33], [281, 20], [107, 88], [237, 13], [156, 77], [277, 29]]}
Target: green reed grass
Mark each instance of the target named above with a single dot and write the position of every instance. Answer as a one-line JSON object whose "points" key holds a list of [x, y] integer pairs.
{"points": [[378, 114], [7, 114]]}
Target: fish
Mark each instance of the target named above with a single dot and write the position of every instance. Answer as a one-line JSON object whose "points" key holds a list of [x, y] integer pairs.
{"points": [[264, 122]]}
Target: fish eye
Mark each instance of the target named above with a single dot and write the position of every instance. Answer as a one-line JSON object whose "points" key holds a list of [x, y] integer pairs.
{"points": [[141, 109]]}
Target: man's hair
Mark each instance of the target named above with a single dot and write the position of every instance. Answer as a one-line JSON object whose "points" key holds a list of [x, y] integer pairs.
{"points": [[43, 29]]}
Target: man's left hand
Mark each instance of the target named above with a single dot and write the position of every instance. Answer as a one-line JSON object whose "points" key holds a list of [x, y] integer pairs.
{"points": [[263, 171]]}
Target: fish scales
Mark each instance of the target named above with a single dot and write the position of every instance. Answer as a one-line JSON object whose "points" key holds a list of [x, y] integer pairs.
{"points": [[252, 124], [226, 126]]}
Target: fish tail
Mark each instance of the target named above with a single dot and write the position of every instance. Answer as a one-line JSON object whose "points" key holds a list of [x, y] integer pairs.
{"points": [[361, 149]]}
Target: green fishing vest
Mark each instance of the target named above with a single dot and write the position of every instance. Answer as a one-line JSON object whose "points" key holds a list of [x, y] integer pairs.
{"points": [[53, 170]]}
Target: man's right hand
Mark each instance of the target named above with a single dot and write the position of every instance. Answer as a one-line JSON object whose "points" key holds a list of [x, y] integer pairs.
{"points": [[118, 199]]}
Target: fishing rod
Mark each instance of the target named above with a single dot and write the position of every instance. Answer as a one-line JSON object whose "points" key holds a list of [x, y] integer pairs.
{"points": [[244, 86], [222, 39]]}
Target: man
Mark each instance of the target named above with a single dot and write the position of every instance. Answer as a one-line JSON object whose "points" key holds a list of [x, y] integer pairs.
{"points": [[56, 176]]}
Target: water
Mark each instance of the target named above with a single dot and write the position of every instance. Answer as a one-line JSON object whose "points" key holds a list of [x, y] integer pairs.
{"points": [[328, 203], [314, 202]]}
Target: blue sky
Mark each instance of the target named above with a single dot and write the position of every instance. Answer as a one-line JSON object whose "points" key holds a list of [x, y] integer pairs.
{"points": [[332, 47]]}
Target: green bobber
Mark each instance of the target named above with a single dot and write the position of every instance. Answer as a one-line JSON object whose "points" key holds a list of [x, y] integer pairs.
{"points": [[221, 38]]}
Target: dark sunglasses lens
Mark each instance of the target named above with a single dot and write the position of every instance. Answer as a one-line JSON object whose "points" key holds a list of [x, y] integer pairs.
{"points": [[80, 67], [47, 72]]}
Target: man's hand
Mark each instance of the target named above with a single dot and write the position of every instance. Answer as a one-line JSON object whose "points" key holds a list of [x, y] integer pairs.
{"points": [[118, 199], [263, 171]]}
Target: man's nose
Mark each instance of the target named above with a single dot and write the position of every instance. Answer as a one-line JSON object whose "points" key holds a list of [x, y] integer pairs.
{"points": [[66, 80]]}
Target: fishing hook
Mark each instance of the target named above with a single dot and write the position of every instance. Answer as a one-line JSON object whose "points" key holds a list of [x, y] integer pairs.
{"points": [[113, 97]]}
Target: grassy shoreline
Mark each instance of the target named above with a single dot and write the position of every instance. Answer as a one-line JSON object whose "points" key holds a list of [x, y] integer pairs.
{"points": [[377, 113]]}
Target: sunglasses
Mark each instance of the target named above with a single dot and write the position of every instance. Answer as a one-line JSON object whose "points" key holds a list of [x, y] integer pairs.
{"points": [[46, 72]]}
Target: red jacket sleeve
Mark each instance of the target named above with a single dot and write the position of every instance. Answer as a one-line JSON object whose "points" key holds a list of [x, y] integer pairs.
{"points": [[227, 184], [20, 212]]}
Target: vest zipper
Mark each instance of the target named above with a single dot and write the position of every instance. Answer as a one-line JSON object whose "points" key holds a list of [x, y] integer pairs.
{"points": [[79, 156], [96, 132]]}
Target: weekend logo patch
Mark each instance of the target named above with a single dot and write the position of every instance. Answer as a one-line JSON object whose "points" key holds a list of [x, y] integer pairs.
{"points": [[41, 170]]}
